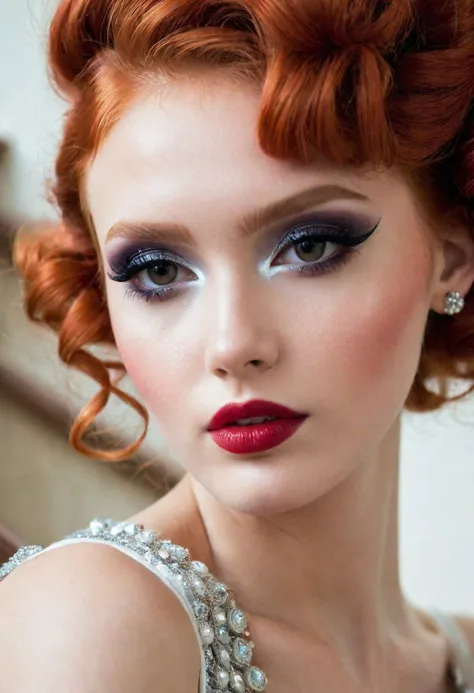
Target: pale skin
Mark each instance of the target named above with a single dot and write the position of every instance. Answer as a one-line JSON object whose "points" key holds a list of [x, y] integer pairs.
{"points": [[306, 533]]}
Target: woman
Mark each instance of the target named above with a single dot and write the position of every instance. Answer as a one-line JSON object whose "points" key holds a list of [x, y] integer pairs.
{"points": [[266, 208]]}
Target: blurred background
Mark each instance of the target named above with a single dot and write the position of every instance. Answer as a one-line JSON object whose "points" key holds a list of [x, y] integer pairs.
{"points": [[48, 490]]}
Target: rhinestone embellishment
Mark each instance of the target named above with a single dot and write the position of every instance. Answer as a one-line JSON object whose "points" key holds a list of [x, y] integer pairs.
{"points": [[237, 621], [453, 303], [242, 651], [256, 679], [228, 666], [221, 624]]}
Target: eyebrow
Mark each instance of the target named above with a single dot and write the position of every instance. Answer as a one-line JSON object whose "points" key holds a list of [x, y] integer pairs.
{"points": [[253, 221]]}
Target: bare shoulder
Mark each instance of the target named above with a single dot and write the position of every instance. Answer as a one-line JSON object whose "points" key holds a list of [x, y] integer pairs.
{"points": [[90, 618]]}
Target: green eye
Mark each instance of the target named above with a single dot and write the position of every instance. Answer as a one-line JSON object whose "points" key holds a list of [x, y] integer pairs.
{"points": [[310, 250], [162, 273]]}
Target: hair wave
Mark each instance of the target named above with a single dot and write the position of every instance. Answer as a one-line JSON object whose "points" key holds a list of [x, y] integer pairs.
{"points": [[360, 81]]}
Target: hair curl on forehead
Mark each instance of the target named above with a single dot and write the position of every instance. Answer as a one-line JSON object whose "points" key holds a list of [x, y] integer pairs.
{"points": [[360, 82]]}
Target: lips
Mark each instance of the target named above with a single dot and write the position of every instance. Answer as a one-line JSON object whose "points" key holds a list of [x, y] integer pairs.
{"points": [[249, 437]]}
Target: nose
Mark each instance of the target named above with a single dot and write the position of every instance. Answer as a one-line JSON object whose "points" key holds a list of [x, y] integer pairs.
{"points": [[242, 338]]}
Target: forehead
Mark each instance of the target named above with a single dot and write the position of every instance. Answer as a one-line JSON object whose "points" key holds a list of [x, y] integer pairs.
{"points": [[188, 133], [189, 146]]}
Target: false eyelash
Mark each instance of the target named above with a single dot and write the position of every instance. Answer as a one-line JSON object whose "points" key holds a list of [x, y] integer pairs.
{"points": [[330, 265], [134, 293], [348, 239], [125, 268], [304, 232]]}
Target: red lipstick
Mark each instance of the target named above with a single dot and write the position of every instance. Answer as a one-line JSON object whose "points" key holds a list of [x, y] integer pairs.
{"points": [[231, 429]]}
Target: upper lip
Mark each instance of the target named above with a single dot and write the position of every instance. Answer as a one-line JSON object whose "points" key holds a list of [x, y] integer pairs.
{"points": [[231, 413]]}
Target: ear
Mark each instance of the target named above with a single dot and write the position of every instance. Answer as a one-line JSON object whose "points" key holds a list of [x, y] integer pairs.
{"points": [[453, 265]]}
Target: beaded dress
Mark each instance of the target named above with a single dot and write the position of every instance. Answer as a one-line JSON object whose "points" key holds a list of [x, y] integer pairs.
{"points": [[220, 626]]}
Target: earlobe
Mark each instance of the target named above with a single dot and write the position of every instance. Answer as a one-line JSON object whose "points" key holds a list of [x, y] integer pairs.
{"points": [[455, 276]]}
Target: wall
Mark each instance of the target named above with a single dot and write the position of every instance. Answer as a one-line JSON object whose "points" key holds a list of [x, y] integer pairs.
{"points": [[437, 509]]}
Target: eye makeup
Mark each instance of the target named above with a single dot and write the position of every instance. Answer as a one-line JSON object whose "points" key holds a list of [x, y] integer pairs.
{"points": [[344, 231], [127, 262]]}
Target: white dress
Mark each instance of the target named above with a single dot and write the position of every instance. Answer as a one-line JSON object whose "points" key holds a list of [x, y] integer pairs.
{"points": [[220, 626]]}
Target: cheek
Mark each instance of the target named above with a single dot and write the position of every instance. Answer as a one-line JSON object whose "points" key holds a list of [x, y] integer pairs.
{"points": [[154, 360], [377, 343], [155, 377]]}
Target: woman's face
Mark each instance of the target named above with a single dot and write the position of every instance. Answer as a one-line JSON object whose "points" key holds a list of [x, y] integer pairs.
{"points": [[236, 296]]}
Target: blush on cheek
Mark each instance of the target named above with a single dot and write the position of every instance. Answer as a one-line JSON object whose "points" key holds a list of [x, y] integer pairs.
{"points": [[379, 340], [138, 368], [155, 379], [390, 335]]}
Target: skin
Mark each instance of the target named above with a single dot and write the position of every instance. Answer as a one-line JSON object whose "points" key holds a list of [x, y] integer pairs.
{"points": [[342, 347]]}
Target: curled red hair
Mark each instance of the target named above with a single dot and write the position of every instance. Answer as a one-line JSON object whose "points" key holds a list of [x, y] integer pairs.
{"points": [[360, 81]]}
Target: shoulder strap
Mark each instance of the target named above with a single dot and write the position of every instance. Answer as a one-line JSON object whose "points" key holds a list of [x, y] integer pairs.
{"points": [[220, 625], [461, 653]]}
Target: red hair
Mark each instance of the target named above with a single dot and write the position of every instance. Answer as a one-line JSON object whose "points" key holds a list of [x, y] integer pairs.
{"points": [[360, 81]]}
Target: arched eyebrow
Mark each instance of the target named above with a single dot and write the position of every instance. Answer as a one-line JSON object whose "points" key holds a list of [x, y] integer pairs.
{"points": [[252, 222]]}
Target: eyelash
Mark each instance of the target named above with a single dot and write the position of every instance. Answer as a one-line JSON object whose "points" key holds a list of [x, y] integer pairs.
{"points": [[348, 240]]}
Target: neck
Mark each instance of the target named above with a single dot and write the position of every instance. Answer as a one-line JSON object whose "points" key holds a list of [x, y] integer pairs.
{"points": [[325, 573], [332, 562]]}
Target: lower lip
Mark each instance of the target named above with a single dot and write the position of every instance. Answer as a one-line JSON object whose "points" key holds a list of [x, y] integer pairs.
{"points": [[244, 440]]}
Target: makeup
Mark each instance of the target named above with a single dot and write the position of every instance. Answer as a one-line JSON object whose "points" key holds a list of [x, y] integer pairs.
{"points": [[253, 426], [158, 274]]}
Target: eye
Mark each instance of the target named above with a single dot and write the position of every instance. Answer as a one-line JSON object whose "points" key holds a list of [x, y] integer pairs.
{"points": [[151, 275], [160, 274], [314, 248], [307, 250]]}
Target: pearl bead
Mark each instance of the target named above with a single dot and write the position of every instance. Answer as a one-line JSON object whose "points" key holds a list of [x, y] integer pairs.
{"points": [[222, 678], [220, 617], [237, 682], [199, 586], [207, 634]]}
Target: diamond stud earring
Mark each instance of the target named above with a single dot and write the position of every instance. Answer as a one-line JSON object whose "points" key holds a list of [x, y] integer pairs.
{"points": [[453, 303]]}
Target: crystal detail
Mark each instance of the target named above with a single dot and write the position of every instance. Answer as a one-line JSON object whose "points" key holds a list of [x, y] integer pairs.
{"points": [[118, 529], [220, 622], [97, 526], [237, 620], [242, 651], [453, 303], [223, 635], [200, 568], [179, 553], [256, 679], [132, 529], [21, 555], [218, 592], [200, 610], [146, 538], [209, 658], [151, 558]]}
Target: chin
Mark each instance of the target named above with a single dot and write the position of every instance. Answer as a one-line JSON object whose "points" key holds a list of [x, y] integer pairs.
{"points": [[265, 489]]}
